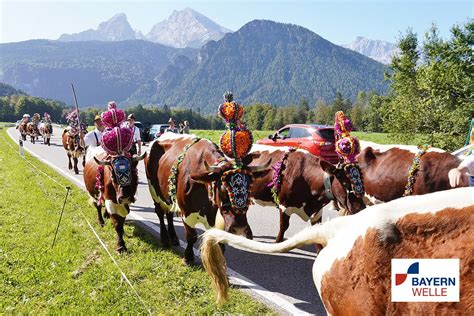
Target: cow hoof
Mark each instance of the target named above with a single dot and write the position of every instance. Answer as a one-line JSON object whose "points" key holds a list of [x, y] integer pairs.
{"points": [[188, 262], [121, 249], [101, 223], [76, 171]]}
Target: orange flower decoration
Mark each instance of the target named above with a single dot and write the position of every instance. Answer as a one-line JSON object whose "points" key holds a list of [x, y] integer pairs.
{"points": [[243, 143], [227, 111]]}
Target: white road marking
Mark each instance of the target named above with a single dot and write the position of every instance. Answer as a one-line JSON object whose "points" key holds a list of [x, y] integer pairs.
{"points": [[235, 277]]}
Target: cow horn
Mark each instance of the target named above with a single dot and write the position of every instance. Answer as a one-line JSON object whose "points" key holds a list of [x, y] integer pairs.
{"points": [[261, 167], [102, 162], [214, 169], [138, 158]]}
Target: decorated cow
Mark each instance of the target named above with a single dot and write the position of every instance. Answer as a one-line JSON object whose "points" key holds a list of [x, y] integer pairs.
{"points": [[203, 183], [110, 173]]}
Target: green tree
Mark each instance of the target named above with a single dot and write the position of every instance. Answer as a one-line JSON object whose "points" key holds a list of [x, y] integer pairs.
{"points": [[322, 113], [432, 97]]}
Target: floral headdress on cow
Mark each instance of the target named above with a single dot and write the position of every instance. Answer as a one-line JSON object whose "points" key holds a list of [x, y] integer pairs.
{"points": [[47, 117], [116, 140], [36, 118], [72, 119], [236, 144], [347, 148]]}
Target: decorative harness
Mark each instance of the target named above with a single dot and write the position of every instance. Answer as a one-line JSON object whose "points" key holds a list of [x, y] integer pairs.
{"points": [[173, 177], [415, 167], [277, 179], [354, 174], [122, 169], [237, 183]]}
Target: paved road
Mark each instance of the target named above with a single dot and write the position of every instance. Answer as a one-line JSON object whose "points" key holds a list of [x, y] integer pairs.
{"points": [[288, 276]]}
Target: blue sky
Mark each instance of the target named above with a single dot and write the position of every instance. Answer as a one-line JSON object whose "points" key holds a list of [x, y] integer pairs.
{"points": [[338, 21]]}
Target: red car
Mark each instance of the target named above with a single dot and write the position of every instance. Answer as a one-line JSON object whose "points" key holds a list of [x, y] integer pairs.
{"points": [[317, 139]]}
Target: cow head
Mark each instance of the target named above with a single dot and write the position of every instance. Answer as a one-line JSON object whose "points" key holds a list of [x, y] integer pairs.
{"points": [[343, 184], [124, 176], [229, 189]]}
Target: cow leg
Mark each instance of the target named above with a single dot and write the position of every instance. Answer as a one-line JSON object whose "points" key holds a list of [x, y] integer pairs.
{"points": [[191, 238], [49, 141], [165, 242], [118, 221], [171, 232], [76, 170], [284, 224], [99, 214], [69, 166], [83, 161]]}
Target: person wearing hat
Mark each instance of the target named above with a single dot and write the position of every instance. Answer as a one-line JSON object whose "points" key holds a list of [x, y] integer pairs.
{"points": [[137, 140], [93, 138], [172, 128]]}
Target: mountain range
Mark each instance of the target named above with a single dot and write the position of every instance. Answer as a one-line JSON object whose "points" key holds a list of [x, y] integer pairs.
{"points": [[189, 28], [378, 50], [113, 30], [185, 28], [263, 61], [100, 71]]}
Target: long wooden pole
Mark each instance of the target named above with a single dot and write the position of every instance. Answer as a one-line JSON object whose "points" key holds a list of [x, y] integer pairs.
{"points": [[78, 115]]}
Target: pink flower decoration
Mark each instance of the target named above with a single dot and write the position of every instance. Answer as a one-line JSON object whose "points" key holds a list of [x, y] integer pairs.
{"points": [[111, 105], [117, 140], [348, 148], [113, 117]]}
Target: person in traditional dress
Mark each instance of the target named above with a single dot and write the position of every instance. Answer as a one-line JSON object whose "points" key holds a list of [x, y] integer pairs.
{"points": [[93, 138], [137, 140]]}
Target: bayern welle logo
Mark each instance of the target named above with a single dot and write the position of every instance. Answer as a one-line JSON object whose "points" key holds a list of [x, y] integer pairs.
{"points": [[425, 280]]}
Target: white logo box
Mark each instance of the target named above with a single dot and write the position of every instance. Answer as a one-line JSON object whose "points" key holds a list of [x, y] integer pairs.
{"points": [[442, 272]]}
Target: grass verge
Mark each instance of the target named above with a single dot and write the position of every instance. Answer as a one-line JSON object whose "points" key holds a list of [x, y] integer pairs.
{"points": [[379, 138], [77, 276]]}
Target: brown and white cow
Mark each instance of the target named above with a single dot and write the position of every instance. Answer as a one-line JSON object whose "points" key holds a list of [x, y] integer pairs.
{"points": [[352, 273], [45, 130], [303, 189], [200, 192], [386, 172], [119, 179], [32, 131], [22, 128], [74, 149]]}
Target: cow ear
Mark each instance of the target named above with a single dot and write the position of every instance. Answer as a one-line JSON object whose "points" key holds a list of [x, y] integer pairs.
{"points": [[247, 160], [327, 166], [205, 177], [367, 155]]}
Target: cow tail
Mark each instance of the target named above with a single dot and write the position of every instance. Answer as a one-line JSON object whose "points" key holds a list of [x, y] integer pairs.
{"points": [[214, 262]]}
